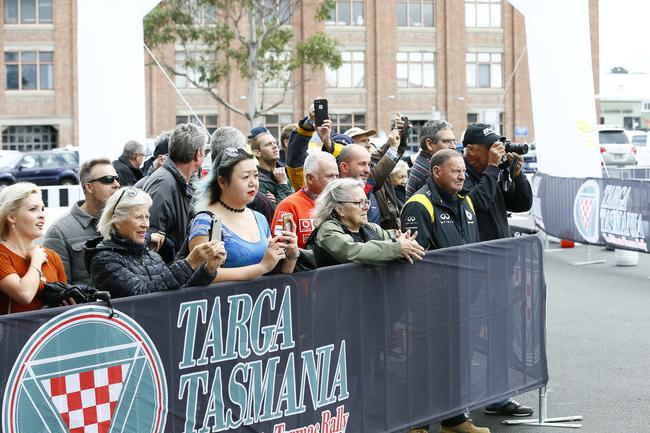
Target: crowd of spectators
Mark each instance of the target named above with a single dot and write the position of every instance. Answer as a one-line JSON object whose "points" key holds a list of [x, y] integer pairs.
{"points": [[316, 198]]}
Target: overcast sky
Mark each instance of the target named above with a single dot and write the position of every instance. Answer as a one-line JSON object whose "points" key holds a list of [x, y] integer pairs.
{"points": [[623, 34]]}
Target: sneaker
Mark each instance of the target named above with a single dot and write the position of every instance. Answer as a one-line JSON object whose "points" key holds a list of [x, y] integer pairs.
{"points": [[466, 427], [511, 408]]}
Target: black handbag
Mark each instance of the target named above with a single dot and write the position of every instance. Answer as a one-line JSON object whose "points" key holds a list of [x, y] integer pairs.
{"points": [[55, 293]]}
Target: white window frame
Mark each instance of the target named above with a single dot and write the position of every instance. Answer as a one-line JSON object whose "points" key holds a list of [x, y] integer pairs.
{"points": [[477, 61], [350, 21], [351, 58], [483, 14], [410, 61], [38, 63], [37, 13]]}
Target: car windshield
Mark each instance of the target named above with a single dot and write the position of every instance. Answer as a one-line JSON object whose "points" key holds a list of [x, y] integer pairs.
{"points": [[613, 137], [9, 159]]}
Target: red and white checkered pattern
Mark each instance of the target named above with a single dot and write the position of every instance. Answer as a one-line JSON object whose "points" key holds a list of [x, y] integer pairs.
{"points": [[585, 208], [87, 401]]}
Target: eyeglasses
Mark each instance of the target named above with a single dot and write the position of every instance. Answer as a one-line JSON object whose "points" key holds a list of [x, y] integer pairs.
{"points": [[106, 180], [130, 191], [361, 204]]}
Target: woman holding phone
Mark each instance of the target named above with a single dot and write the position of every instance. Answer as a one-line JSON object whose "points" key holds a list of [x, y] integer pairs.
{"points": [[251, 250]]}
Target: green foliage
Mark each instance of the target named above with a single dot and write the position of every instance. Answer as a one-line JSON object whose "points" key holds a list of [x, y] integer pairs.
{"points": [[252, 37]]}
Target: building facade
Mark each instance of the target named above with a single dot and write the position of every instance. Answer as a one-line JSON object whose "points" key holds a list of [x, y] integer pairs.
{"points": [[460, 60]]}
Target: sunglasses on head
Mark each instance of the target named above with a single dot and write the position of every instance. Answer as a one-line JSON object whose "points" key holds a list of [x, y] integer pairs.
{"points": [[231, 153], [106, 180], [129, 191]]}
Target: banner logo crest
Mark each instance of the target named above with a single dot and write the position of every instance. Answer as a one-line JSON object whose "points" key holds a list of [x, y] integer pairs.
{"points": [[586, 206], [82, 372]]}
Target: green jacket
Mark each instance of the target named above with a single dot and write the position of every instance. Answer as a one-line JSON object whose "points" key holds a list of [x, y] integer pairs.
{"points": [[332, 244]]}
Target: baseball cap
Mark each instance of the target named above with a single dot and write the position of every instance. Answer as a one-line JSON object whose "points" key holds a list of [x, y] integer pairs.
{"points": [[341, 139], [480, 133], [257, 131], [353, 132]]}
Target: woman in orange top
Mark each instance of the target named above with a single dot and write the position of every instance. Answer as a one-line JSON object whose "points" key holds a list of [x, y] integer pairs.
{"points": [[24, 265]]}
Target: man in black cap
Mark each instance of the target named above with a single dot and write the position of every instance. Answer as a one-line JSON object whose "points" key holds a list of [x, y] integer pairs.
{"points": [[484, 153], [157, 160]]}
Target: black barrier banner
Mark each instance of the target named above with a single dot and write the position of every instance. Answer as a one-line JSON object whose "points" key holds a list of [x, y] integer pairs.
{"points": [[597, 211], [342, 349]]}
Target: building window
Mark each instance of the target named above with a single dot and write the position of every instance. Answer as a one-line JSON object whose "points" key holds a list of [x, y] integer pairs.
{"points": [[346, 13], [29, 70], [186, 77], [282, 78], [278, 10], [645, 107], [209, 121], [350, 74], [28, 11], [415, 13], [343, 122], [492, 118], [631, 122], [483, 13], [275, 122], [415, 69], [202, 14], [29, 137], [484, 70]]}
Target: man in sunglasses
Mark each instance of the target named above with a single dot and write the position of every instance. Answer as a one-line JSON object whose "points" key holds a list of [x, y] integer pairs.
{"points": [[69, 233]]}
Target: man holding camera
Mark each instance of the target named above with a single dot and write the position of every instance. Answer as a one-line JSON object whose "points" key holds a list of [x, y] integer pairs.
{"points": [[494, 181], [496, 186]]}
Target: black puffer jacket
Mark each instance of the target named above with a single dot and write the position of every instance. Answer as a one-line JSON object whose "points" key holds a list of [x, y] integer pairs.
{"points": [[124, 269]]}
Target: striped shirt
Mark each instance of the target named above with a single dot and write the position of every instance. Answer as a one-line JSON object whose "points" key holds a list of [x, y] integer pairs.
{"points": [[418, 174]]}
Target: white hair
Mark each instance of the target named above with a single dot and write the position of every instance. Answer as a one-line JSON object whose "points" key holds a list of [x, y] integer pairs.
{"points": [[11, 197], [334, 193], [128, 198], [400, 166], [310, 165]]}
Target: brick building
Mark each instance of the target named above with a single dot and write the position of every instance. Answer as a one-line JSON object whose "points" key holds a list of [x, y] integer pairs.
{"points": [[450, 59]]}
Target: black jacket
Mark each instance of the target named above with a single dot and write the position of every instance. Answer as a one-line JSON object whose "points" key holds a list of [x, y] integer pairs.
{"points": [[172, 197], [492, 204], [440, 223], [128, 174], [124, 269]]}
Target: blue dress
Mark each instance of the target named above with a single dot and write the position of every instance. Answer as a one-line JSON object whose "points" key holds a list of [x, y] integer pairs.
{"points": [[240, 251]]}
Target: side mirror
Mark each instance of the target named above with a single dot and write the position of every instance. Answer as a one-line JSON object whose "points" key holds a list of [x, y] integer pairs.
{"points": [[21, 167]]}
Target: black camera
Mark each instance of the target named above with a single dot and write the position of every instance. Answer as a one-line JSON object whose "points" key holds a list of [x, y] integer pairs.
{"points": [[521, 149]]}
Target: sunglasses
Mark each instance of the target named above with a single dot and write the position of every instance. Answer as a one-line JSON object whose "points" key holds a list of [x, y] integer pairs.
{"points": [[130, 191], [230, 154], [106, 180]]}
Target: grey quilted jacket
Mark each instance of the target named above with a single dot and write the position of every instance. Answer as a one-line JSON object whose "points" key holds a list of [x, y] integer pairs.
{"points": [[125, 269]]}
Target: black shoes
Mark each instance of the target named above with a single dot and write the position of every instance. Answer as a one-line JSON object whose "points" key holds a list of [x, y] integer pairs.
{"points": [[511, 408]]}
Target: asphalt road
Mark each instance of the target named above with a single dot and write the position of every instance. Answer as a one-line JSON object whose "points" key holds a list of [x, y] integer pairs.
{"points": [[598, 328]]}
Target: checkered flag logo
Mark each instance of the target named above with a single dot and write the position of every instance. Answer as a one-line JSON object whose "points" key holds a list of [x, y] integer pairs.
{"points": [[86, 401], [585, 211]]}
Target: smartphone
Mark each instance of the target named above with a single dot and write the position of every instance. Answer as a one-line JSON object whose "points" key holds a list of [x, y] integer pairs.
{"points": [[287, 222], [215, 230], [320, 110], [405, 132]]}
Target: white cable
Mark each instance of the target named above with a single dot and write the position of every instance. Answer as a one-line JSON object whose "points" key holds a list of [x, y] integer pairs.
{"points": [[187, 104]]}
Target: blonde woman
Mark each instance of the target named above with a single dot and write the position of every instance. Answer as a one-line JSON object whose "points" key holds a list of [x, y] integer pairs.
{"points": [[24, 266]]}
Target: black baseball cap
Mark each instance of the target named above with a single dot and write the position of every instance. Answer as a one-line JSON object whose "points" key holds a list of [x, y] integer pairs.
{"points": [[480, 133]]}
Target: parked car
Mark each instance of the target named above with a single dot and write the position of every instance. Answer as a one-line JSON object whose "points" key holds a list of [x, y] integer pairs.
{"points": [[615, 147], [51, 167], [641, 141]]}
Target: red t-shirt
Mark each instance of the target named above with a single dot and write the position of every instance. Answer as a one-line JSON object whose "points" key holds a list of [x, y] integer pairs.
{"points": [[300, 206], [11, 263]]}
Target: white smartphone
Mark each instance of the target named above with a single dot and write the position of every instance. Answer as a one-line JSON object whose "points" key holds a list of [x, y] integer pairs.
{"points": [[215, 230]]}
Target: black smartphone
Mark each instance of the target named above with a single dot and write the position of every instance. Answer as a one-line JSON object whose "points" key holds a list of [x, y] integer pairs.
{"points": [[320, 110], [405, 133]]}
